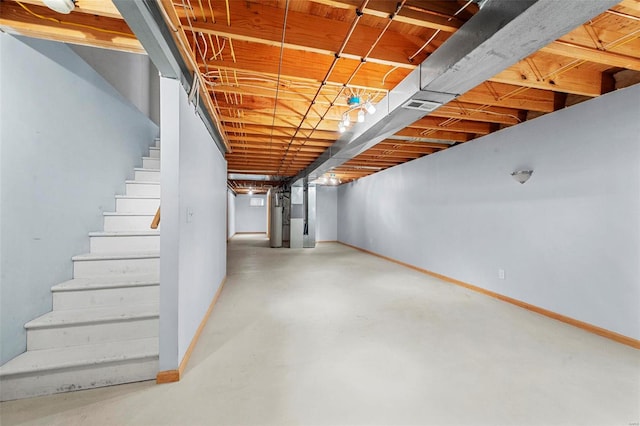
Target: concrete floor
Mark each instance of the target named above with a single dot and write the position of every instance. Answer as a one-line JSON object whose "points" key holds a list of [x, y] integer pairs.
{"points": [[333, 336]]}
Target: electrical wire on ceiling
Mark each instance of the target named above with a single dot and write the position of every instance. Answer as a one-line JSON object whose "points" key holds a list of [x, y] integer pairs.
{"points": [[275, 104], [435, 34], [212, 104], [359, 13], [363, 60]]}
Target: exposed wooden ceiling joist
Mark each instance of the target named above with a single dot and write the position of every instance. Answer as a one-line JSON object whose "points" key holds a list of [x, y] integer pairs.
{"points": [[261, 89], [89, 29], [262, 24]]}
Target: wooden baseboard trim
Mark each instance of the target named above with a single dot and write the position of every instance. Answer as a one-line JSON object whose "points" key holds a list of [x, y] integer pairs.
{"points": [[327, 241], [167, 376], [170, 376], [625, 340]]}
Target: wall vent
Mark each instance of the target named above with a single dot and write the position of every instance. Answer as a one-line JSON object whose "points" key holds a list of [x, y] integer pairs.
{"points": [[421, 105]]}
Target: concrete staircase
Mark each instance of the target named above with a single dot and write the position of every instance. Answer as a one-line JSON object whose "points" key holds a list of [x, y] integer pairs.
{"points": [[103, 329]]}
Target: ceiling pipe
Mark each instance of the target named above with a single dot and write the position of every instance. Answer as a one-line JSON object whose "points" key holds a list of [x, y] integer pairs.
{"points": [[502, 33]]}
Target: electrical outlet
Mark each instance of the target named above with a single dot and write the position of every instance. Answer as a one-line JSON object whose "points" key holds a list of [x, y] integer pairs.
{"points": [[501, 274]]}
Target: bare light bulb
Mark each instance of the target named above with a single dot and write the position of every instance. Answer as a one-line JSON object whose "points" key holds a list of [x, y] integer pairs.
{"points": [[369, 107], [346, 121], [361, 116]]}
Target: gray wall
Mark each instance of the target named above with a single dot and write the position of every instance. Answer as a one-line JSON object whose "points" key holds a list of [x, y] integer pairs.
{"points": [[250, 219], [133, 75], [194, 209], [326, 213], [68, 141], [231, 214], [568, 240]]}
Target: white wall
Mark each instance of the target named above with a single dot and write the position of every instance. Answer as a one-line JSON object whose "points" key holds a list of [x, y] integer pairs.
{"points": [[231, 214], [68, 141], [133, 75], [326, 213], [568, 240], [194, 209], [250, 219]]}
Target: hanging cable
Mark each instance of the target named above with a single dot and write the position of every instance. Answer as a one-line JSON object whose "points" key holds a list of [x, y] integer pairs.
{"points": [[411, 58], [359, 13], [275, 104]]}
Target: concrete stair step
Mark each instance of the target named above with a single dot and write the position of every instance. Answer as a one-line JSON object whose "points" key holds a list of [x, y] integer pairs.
{"points": [[106, 291], [124, 241], [154, 152], [149, 175], [86, 326], [150, 163], [157, 142], [47, 371], [121, 222], [137, 204], [116, 264]]}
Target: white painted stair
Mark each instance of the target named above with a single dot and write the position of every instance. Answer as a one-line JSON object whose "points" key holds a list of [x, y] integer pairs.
{"points": [[103, 329]]}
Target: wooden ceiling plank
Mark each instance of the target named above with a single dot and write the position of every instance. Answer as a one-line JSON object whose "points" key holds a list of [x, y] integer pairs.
{"points": [[92, 7], [510, 96], [434, 134], [261, 23], [631, 4], [252, 130], [263, 120], [381, 10], [277, 149], [280, 145], [109, 32], [576, 81], [464, 126], [300, 66], [392, 143], [474, 112], [593, 55]]}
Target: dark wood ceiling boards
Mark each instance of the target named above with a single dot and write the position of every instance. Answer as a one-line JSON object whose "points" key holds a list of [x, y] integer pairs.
{"points": [[278, 91]]}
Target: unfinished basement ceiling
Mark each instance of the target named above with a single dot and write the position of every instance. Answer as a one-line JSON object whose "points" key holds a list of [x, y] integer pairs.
{"points": [[279, 91]]}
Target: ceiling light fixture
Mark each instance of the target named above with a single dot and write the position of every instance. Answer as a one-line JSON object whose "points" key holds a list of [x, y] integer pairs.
{"points": [[355, 104], [60, 6], [332, 179], [522, 175], [369, 107]]}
